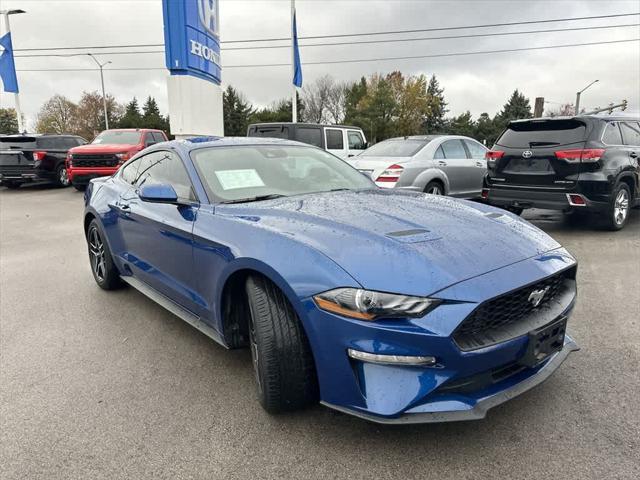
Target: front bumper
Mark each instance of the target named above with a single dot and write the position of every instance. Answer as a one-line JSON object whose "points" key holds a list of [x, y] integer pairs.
{"points": [[455, 408], [429, 393], [81, 176]]}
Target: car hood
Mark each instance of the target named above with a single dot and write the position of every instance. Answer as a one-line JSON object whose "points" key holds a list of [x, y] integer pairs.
{"points": [[402, 242], [103, 148]]}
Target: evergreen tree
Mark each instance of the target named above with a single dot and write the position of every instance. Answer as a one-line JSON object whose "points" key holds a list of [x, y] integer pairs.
{"points": [[236, 113], [487, 129], [434, 121], [151, 117], [8, 121], [516, 108], [462, 125], [131, 117]]}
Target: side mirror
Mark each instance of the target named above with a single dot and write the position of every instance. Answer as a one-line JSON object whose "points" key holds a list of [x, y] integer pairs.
{"points": [[158, 193]]}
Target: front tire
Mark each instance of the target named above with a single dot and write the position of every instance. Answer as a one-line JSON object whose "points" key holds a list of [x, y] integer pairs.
{"points": [[619, 207], [282, 360], [104, 270]]}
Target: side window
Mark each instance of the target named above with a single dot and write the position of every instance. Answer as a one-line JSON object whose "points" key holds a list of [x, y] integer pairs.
{"points": [[611, 135], [335, 140], [310, 135], [453, 149], [165, 167], [631, 133], [439, 153], [148, 139], [129, 172], [158, 137], [356, 142], [46, 143], [475, 149]]}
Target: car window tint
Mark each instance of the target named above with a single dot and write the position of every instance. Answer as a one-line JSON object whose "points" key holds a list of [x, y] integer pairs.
{"points": [[356, 142], [310, 135], [270, 132], [46, 143], [631, 133], [611, 135], [439, 153], [539, 133], [157, 137], [453, 149], [129, 172], [165, 168], [475, 149], [334, 139]]}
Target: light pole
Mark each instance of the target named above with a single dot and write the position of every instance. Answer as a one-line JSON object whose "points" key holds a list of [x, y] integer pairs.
{"points": [[578, 96], [5, 14], [104, 98]]}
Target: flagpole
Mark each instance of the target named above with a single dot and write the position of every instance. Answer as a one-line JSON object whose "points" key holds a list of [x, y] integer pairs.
{"points": [[16, 95], [294, 99]]}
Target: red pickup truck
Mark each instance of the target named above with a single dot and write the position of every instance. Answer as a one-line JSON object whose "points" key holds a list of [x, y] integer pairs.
{"points": [[108, 151]]}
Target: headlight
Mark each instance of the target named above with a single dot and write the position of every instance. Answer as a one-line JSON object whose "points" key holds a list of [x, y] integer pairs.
{"points": [[368, 305]]}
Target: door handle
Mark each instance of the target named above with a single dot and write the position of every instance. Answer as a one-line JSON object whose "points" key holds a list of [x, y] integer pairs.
{"points": [[480, 164], [442, 164], [351, 155], [633, 155], [123, 206]]}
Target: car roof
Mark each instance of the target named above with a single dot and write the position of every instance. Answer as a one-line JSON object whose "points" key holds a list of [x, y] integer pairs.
{"points": [[132, 130], [210, 141], [278, 124], [631, 117]]}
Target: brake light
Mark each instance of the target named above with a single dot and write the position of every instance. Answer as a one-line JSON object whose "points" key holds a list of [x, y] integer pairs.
{"points": [[492, 155], [577, 155], [39, 156], [391, 174]]}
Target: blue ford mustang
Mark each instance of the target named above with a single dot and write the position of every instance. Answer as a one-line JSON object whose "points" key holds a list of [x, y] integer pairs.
{"points": [[394, 306]]}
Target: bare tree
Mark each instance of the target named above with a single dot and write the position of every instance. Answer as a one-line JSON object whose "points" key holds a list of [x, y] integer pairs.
{"points": [[565, 109], [337, 103], [57, 115]]}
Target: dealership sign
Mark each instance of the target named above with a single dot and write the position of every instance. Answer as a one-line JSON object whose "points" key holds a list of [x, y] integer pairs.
{"points": [[192, 38]]}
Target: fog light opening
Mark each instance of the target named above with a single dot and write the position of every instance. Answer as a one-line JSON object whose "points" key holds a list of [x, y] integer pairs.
{"points": [[576, 200], [424, 361]]}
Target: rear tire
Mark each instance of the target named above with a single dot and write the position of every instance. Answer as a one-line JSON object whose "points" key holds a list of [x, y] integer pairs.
{"points": [[434, 188], [619, 206], [104, 270], [62, 179], [282, 360]]}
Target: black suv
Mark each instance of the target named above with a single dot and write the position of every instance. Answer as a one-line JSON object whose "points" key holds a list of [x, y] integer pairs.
{"points": [[586, 162], [25, 158]]}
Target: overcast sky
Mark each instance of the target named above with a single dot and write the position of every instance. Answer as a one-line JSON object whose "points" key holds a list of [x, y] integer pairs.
{"points": [[479, 83]]}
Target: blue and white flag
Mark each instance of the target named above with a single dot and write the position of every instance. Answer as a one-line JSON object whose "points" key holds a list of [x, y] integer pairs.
{"points": [[7, 65], [297, 66]]}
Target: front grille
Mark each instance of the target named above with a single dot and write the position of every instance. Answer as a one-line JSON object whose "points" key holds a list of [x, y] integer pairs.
{"points": [[490, 321], [482, 380], [94, 160]]}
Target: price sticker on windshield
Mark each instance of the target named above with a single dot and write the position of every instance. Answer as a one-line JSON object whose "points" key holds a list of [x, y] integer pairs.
{"points": [[233, 179]]}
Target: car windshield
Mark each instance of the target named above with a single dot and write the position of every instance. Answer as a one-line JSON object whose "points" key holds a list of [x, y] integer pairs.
{"points": [[250, 172], [118, 137], [394, 148]]}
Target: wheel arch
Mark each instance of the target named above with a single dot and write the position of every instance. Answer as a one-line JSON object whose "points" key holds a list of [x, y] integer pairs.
{"points": [[430, 175], [629, 179], [233, 322]]}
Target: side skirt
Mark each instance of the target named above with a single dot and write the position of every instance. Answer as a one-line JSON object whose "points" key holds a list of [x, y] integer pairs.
{"points": [[179, 311]]}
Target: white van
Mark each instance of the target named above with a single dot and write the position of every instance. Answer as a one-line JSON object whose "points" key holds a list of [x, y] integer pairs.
{"points": [[343, 141]]}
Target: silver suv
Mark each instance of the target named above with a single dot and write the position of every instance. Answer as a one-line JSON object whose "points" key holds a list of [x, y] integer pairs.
{"points": [[436, 164]]}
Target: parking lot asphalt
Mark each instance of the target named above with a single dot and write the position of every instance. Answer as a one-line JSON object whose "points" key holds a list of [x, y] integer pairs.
{"points": [[97, 384]]}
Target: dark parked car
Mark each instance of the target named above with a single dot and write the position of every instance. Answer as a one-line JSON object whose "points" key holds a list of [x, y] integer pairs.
{"points": [[26, 158], [587, 163]]}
